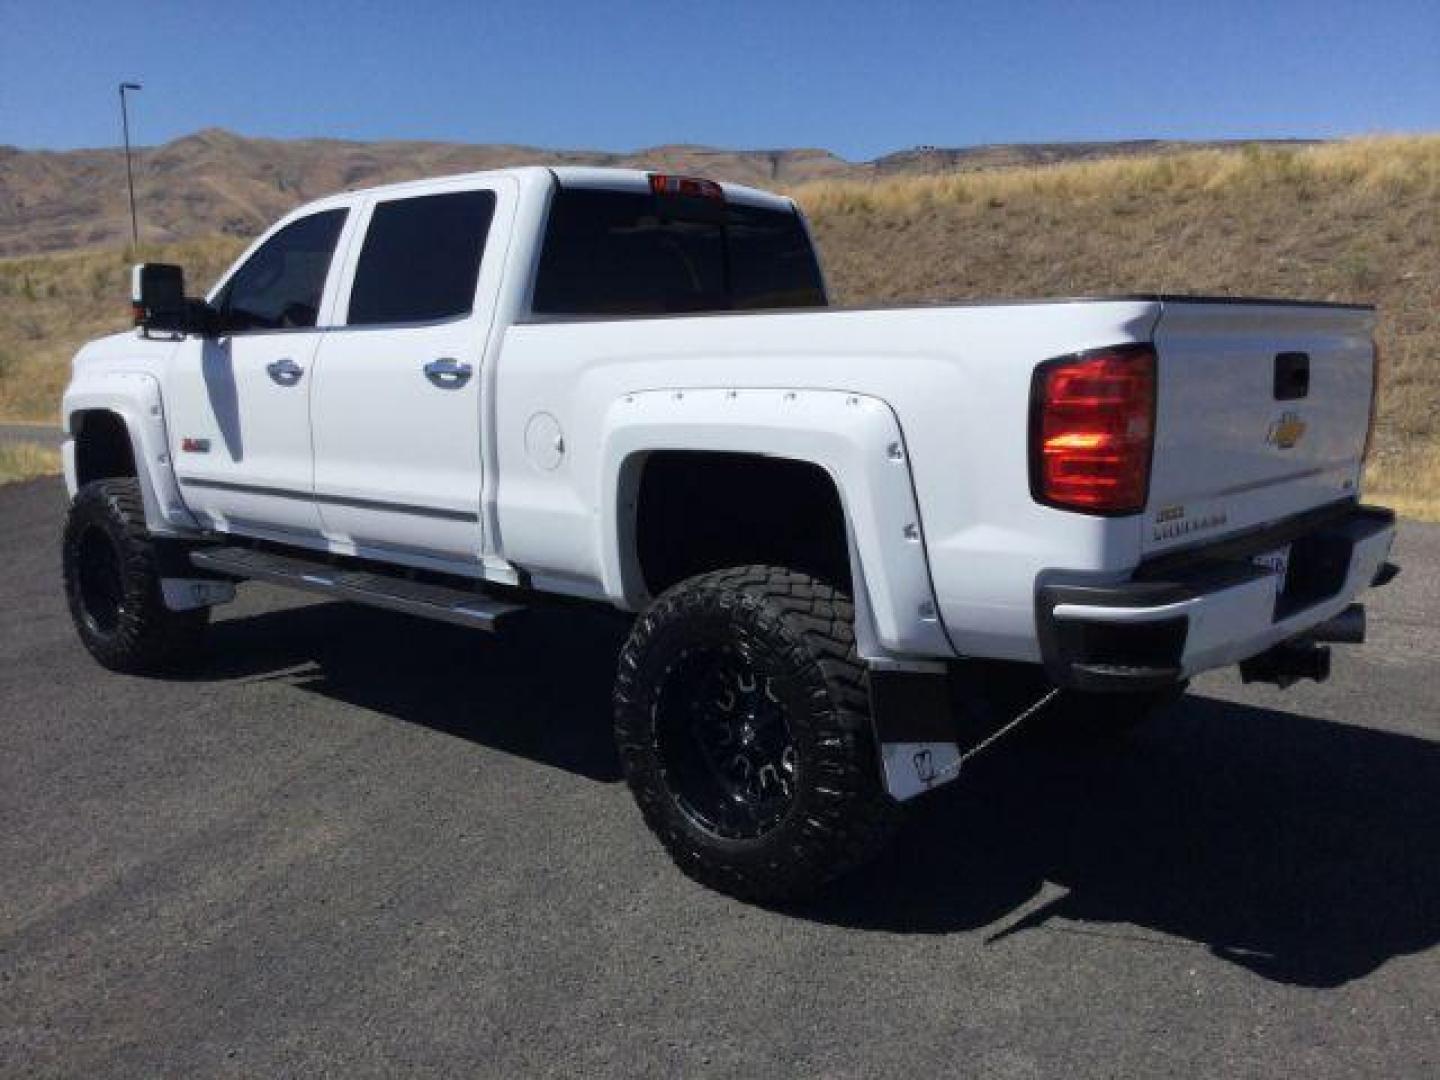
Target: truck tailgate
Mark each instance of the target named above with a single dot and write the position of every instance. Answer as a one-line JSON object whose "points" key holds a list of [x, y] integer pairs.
{"points": [[1261, 413]]}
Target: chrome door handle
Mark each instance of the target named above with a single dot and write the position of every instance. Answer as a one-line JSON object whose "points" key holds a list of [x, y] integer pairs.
{"points": [[286, 372], [448, 372]]}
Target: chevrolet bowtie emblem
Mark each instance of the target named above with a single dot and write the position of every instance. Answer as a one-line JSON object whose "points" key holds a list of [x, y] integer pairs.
{"points": [[1287, 431]]}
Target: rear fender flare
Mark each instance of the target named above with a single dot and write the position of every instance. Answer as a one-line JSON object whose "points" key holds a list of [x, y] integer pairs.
{"points": [[855, 438]]}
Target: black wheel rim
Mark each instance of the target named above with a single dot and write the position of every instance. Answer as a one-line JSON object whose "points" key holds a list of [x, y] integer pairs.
{"points": [[102, 585], [725, 742]]}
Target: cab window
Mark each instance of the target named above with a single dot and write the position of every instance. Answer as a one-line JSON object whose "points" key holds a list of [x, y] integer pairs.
{"points": [[279, 287], [421, 259]]}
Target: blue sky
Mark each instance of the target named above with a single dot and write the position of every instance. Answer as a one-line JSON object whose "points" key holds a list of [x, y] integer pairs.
{"points": [[857, 78]]}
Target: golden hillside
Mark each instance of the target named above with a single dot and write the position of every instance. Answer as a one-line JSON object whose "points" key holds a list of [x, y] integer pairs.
{"points": [[216, 181], [1344, 221]]}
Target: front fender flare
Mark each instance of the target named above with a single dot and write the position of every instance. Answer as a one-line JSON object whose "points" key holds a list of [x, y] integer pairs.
{"points": [[135, 398]]}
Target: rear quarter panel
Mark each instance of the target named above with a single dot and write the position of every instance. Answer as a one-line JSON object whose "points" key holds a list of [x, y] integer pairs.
{"points": [[956, 378]]}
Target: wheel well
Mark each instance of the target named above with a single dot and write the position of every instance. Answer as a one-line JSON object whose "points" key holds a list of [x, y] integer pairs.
{"points": [[698, 511], [102, 447]]}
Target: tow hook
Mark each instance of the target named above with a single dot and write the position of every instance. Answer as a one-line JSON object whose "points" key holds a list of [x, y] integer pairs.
{"points": [[1288, 663]]}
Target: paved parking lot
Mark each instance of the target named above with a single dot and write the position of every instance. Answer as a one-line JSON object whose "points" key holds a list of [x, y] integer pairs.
{"points": [[358, 844]]}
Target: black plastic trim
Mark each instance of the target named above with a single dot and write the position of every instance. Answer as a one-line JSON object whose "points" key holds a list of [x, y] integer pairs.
{"points": [[1000, 301], [1176, 578], [1292, 376], [334, 500], [1257, 541]]}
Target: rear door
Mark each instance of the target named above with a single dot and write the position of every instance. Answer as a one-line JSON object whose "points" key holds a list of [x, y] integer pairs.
{"points": [[397, 405], [1261, 413]]}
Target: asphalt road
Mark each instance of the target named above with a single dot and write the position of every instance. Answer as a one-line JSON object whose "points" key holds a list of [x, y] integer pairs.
{"points": [[359, 844]]}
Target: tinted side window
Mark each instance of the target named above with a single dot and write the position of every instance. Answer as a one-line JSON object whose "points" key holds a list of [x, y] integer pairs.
{"points": [[629, 253], [279, 286], [609, 252], [772, 264], [421, 258]]}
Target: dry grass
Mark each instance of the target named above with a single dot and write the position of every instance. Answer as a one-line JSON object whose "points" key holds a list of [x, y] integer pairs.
{"points": [[24, 460], [1355, 221], [1343, 221], [1410, 485], [51, 304]]}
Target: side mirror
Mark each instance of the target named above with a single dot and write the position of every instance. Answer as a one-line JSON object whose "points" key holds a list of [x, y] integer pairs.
{"points": [[157, 297]]}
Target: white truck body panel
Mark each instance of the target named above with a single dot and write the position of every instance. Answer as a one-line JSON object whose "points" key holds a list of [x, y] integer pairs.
{"points": [[1218, 467], [397, 448], [941, 370]]}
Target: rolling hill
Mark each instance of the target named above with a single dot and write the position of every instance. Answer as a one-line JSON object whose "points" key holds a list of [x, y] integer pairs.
{"points": [[215, 181], [1345, 221]]}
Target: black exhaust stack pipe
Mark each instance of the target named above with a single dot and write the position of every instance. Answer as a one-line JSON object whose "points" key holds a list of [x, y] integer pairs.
{"points": [[1302, 657], [1288, 663]]}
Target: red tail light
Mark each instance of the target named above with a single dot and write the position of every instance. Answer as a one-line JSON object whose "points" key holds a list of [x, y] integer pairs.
{"points": [[693, 186], [1092, 430]]}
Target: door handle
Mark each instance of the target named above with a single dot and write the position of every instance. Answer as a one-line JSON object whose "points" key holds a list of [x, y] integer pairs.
{"points": [[448, 372], [285, 372]]}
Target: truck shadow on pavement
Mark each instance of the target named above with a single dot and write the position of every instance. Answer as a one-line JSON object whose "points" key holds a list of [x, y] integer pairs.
{"points": [[1300, 849], [539, 691], [1303, 850]]}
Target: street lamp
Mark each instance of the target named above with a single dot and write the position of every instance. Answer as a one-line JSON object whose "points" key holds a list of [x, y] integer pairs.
{"points": [[129, 172]]}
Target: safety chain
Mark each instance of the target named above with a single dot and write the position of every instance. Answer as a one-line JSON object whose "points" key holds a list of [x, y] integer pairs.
{"points": [[985, 744]]}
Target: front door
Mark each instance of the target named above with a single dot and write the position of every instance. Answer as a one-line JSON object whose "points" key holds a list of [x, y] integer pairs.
{"points": [[397, 398], [239, 403]]}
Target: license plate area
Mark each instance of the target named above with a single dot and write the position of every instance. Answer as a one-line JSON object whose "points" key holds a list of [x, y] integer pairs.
{"points": [[1315, 570], [1278, 563]]}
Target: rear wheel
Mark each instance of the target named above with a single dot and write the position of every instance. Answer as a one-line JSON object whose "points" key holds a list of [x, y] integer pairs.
{"points": [[112, 583], [742, 718]]}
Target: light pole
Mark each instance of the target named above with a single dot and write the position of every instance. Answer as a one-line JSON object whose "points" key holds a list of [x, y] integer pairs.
{"points": [[129, 172]]}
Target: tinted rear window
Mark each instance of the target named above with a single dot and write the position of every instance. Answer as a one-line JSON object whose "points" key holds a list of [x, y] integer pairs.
{"points": [[421, 258], [628, 253]]}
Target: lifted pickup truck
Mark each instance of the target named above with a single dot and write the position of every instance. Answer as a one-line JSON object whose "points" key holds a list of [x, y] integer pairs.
{"points": [[463, 398]]}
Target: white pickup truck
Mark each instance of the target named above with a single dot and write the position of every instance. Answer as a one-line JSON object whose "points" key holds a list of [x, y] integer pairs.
{"points": [[466, 397]]}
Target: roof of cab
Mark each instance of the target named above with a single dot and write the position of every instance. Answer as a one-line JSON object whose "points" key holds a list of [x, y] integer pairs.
{"points": [[639, 180], [576, 176]]}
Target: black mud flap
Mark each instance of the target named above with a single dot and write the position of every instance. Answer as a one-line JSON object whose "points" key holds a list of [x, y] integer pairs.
{"points": [[915, 730]]}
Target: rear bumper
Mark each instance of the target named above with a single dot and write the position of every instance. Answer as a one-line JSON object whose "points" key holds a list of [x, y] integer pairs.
{"points": [[1210, 607]]}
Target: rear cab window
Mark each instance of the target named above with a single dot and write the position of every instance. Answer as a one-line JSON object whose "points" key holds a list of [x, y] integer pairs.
{"points": [[420, 261], [616, 253]]}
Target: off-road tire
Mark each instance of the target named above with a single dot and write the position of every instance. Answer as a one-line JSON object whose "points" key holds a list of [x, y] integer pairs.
{"points": [[797, 632], [118, 610]]}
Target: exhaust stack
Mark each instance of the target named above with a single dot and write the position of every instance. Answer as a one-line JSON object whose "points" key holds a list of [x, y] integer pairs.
{"points": [[1287, 663]]}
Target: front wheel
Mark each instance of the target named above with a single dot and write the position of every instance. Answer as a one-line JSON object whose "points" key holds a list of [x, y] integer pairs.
{"points": [[743, 724], [112, 583]]}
